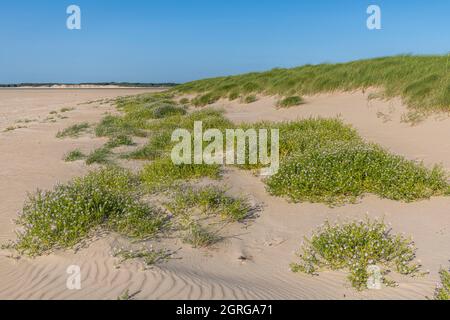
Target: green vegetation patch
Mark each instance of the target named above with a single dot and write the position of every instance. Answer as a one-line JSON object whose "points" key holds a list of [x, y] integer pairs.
{"points": [[100, 156], [211, 201], [150, 257], [64, 216], [250, 99], [163, 173], [74, 155], [73, 131], [120, 140], [354, 247], [290, 102], [341, 172], [443, 289]]}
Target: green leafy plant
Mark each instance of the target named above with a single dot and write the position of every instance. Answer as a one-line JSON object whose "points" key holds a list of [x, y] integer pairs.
{"points": [[74, 156], [355, 246], [66, 215], [443, 289], [99, 156], [164, 173]]}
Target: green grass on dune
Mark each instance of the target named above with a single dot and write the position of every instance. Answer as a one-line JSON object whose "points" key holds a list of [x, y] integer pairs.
{"points": [[442, 291], [423, 82]]}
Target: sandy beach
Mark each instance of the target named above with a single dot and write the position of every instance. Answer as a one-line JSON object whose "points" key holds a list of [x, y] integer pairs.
{"points": [[31, 158]]}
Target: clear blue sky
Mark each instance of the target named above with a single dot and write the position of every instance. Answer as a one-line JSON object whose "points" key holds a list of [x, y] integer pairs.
{"points": [[182, 40]]}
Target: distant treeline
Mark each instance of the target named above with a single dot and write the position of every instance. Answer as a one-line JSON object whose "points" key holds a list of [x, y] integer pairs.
{"points": [[120, 84]]}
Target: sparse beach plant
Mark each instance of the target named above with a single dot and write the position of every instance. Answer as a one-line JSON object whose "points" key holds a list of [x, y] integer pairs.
{"points": [[442, 291], [150, 257], [73, 131], [167, 110], [184, 101], [290, 102], [100, 156], [354, 246], [111, 126], [120, 140], [342, 172], [164, 173], [74, 155], [206, 99], [250, 99], [421, 81], [66, 109]]}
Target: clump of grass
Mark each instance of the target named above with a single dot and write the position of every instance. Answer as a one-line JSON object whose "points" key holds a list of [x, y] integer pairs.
{"points": [[73, 131], [74, 155], [167, 110], [250, 99], [117, 141], [69, 213], [443, 289], [342, 172], [204, 100], [184, 101], [290, 102], [125, 296], [233, 95], [164, 173], [111, 126], [150, 257], [211, 201], [354, 247], [198, 236], [100, 156]]}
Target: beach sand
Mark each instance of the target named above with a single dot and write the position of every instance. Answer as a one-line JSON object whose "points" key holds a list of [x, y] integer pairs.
{"points": [[31, 158]]}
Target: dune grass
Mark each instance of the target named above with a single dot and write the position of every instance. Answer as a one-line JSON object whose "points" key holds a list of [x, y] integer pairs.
{"points": [[354, 246], [150, 257], [66, 215], [199, 236], [74, 155], [73, 131], [423, 82], [100, 156], [290, 102]]}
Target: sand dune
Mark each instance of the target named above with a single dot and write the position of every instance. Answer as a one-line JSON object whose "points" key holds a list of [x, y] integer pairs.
{"points": [[31, 158]]}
